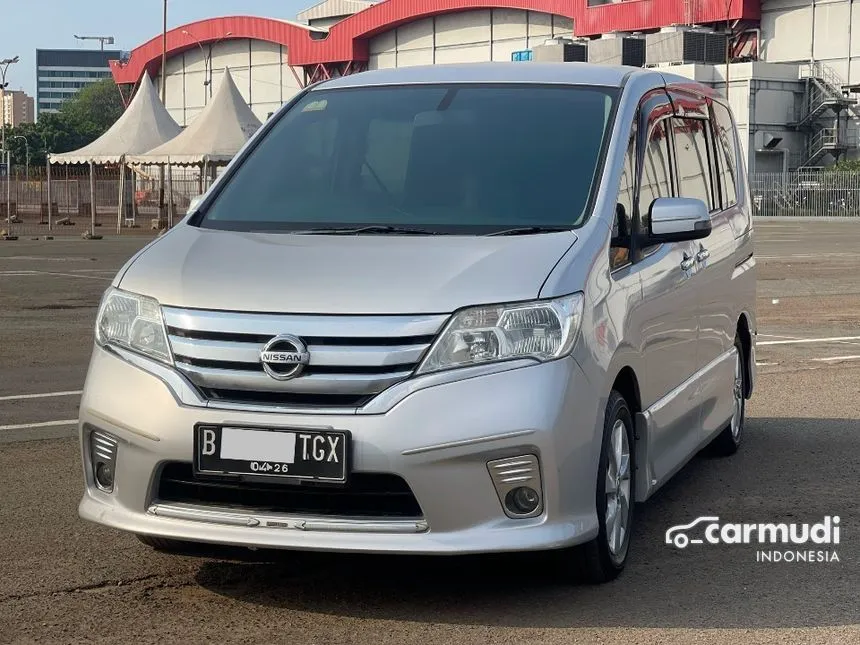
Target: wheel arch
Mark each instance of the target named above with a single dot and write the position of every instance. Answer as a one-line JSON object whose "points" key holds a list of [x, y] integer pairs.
{"points": [[626, 383], [744, 332]]}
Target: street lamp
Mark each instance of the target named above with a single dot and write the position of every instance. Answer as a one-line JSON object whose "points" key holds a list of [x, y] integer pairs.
{"points": [[207, 58], [4, 65], [27, 148]]}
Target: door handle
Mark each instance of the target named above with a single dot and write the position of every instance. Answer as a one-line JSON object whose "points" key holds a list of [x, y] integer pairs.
{"points": [[703, 255], [687, 263]]}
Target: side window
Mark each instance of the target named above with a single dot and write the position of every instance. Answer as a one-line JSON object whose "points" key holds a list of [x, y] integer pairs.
{"points": [[727, 154], [619, 251], [656, 174], [691, 153]]}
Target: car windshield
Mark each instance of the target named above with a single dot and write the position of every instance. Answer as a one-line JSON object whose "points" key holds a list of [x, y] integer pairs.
{"points": [[422, 159]]}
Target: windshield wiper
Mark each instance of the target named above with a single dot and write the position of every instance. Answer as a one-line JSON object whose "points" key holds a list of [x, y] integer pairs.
{"points": [[529, 230], [373, 230]]}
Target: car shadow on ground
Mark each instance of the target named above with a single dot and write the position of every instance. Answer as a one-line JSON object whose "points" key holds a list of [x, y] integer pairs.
{"points": [[781, 474]]}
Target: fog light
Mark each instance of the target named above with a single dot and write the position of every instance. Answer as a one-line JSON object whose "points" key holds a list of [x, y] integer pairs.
{"points": [[522, 500], [518, 484], [104, 475], [103, 449]]}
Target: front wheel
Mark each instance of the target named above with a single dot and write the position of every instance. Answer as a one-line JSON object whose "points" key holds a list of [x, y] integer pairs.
{"points": [[165, 545], [603, 558], [729, 440]]}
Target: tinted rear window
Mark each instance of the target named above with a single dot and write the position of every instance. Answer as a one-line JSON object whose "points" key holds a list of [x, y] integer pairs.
{"points": [[455, 159]]}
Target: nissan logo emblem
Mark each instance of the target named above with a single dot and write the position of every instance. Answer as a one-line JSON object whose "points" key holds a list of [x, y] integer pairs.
{"points": [[284, 357]]}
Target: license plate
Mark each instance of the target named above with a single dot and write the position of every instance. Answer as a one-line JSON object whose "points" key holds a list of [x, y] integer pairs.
{"points": [[271, 452]]}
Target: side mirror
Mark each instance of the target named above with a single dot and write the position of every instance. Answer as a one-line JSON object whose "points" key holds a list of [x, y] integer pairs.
{"points": [[194, 203], [678, 219]]}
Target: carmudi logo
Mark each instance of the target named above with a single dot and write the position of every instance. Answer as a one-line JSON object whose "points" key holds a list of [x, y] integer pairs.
{"points": [[823, 536]]}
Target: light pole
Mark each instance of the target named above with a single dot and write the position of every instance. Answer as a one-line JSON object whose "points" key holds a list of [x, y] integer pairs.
{"points": [[27, 148], [207, 58], [4, 65]]}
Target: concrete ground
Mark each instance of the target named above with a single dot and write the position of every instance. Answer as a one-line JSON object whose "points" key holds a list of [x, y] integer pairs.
{"points": [[66, 581]]}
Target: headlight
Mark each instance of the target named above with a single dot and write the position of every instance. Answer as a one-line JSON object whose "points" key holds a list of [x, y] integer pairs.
{"points": [[541, 330], [134, 322]]}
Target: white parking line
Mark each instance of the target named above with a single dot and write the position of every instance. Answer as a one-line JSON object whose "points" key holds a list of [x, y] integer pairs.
{"points": [[838, 358], [798, 341], [41, 424], [42, 395], [777, 336], [805, 256], [67, 275]]}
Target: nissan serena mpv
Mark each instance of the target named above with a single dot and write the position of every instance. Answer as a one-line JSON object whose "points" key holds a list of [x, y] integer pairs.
{"points": [[441, 310]]}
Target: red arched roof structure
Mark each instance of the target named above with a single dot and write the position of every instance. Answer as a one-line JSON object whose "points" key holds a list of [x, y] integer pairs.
{"points": [[346, 41]]}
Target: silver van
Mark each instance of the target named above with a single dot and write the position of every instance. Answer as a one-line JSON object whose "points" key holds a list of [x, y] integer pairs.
{"points": [[435, 310]]}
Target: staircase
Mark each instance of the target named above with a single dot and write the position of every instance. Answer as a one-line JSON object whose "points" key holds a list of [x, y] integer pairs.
{"points": [[824, 105], [827, 141]]}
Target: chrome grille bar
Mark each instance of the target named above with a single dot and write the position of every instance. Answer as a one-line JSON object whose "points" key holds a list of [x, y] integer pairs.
{"points": [[352, 358], [214, 378], [321, 355], [392, 327]]}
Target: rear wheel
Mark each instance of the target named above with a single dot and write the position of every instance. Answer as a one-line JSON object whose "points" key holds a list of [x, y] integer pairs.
{"points": [[603, 558], [729, 440]]}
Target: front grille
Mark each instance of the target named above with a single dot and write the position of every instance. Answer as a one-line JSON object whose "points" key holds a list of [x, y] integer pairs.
{"points": [[352, 358], [365, 495]]}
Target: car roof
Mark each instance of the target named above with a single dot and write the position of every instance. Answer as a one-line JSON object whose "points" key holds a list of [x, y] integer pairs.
{"points": [[498, 72]]}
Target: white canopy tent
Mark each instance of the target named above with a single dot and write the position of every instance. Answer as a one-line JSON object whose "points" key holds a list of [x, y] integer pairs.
{"points": [[214, 137], [145, 124]]}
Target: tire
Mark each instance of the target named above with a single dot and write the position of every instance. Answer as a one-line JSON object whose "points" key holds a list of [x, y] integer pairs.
{"points": [[598, 561], [164, 544], [730, 438]]}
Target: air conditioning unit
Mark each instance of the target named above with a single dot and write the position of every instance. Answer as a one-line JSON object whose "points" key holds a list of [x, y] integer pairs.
{"points": [[680, 45], [561, 50], [617, 50]]}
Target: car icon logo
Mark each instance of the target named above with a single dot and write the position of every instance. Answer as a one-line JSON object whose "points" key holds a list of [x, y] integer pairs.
{"points": [[677, 534]]}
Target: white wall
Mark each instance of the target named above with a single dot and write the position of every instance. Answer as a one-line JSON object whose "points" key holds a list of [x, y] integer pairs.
{"points": [[827, 31], [259, 68], [469, 36]]}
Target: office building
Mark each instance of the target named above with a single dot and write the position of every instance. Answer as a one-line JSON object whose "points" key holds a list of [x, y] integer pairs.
{"points": [[61, 73], [17, 108]]}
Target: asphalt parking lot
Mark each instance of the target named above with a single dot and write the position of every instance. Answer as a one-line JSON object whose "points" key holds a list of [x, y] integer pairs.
{"points": [[63, 580]]}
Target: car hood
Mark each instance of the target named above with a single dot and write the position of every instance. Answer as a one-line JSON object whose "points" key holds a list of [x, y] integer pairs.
{"points": [[333, 274]]}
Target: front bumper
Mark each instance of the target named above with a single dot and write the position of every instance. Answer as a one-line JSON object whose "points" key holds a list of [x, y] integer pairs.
{"points": [[438, 439]]}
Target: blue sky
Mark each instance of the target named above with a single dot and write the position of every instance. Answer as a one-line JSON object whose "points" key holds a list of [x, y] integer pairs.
{"points": [[47, 24]]}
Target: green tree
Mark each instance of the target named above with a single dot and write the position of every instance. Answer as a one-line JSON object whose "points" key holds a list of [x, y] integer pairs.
{"points": [[845, 165], [80, 121], [93, 110]]}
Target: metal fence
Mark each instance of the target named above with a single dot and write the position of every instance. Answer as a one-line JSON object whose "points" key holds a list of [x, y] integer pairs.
{"points": [[806, 194], [147, 209]]}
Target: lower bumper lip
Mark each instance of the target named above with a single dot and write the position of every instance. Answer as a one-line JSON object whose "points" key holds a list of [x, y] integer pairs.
{"points": [[288, 522]]}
